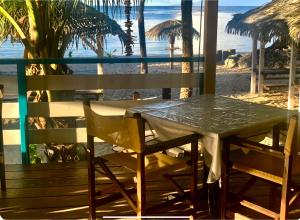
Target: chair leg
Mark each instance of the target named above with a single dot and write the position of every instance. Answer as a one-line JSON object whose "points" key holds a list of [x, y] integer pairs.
{"points": [[141, 188], [91, 185], [285, 187], [2, 173]]}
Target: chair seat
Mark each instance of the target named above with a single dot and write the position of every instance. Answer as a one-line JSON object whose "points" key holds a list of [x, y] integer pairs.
{"points": [[155, 164], [262, 165]]}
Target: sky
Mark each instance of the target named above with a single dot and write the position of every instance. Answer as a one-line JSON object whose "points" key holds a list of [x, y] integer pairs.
{"points": [[221, 2]]}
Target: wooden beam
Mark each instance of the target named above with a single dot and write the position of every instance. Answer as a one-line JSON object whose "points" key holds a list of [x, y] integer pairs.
{"points": [[292, 76], [112, 81], [210, 45], [261, 67], [72, 108], [53, 135], [254, 63]]}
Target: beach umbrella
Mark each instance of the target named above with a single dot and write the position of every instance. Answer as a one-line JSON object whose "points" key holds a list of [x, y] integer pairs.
{"points": [[277, 19], [169, 30], [258, 23]]}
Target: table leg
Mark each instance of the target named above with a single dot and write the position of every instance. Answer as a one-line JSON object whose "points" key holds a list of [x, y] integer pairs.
{"points": [[194, 176], [213, 199], [224, 177]]}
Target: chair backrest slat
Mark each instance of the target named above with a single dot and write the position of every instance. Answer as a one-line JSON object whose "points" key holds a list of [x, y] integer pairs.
{"points": [[290, 139], [117, 130]]}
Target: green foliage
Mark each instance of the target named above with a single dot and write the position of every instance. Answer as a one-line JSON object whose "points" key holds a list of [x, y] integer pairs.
{"points": [[47, 28], [34, 158]]}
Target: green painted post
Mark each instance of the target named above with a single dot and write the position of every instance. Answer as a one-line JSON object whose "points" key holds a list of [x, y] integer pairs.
{"points": [[23, 111]]}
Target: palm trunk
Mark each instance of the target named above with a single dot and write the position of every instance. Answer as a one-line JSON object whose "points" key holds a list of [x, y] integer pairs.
{"points": [[128, 25], [141, 25], [171, 42], [187, 42], [100, 53]]}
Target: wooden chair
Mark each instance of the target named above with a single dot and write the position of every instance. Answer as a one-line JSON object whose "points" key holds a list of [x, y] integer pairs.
{"points": [[2, 164], [144, 159], [274, 164]]}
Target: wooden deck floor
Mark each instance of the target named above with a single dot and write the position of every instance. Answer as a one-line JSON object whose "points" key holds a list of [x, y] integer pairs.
{"points": [[59, 191]]}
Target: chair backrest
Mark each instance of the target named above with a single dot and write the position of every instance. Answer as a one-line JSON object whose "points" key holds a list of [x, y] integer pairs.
{"points": [[291, 138], [127, 132]]}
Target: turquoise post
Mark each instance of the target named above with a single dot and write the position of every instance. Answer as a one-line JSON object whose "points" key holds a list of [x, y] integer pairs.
{"points": [[23, 111]]}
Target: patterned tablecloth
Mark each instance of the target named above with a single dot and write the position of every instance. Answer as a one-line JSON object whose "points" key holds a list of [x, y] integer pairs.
{"points": [[214, 117]]}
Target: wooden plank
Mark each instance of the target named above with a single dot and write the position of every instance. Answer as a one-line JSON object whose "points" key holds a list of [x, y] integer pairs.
{"points": [[59, 136], [47, 166], [112, 81], [72, 212], [46, 191], [10, 110], [72, 108]]}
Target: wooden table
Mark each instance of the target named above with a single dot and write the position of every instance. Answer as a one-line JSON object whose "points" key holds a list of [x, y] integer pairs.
{"points": [[214, 117]]}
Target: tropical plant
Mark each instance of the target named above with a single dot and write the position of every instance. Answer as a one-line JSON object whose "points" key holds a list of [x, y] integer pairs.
{"points": [[114, 7], [47, 28]]}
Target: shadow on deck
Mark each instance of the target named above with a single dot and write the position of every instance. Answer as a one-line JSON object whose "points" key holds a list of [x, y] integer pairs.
{"points": [[59, 191]]}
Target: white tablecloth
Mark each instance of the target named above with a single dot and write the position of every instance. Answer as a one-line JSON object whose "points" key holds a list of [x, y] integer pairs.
{"points": [[214, 117]]}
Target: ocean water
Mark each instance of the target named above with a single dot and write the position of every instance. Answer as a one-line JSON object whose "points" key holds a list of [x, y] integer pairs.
{"points": [[154, 15]]}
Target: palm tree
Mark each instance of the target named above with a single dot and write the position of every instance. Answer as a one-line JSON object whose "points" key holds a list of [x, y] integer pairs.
{"points": [[47, 28], [142, 39], [170, 29], [187, 42], [128, 25]]}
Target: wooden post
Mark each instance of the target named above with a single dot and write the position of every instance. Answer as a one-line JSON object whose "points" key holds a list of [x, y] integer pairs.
{"points": [[23, 111], [254, 63], [292, 76], [299, 100], [2, 161], [261, 67], [172, 48], [210, 45]]}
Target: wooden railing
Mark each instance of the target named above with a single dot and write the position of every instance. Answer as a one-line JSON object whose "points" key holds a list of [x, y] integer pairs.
{"points": [[24, 109]]}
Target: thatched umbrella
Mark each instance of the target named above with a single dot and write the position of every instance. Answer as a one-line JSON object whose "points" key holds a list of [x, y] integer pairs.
{"points": [[280, 11], [170, 30], [258, 23], [279, 18]]}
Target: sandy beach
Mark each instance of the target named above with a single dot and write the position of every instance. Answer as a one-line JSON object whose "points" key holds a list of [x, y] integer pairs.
{"points": [[234, 82]]}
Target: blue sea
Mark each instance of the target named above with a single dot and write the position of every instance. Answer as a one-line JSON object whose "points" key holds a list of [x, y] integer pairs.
{"points": [[154, 15]]}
